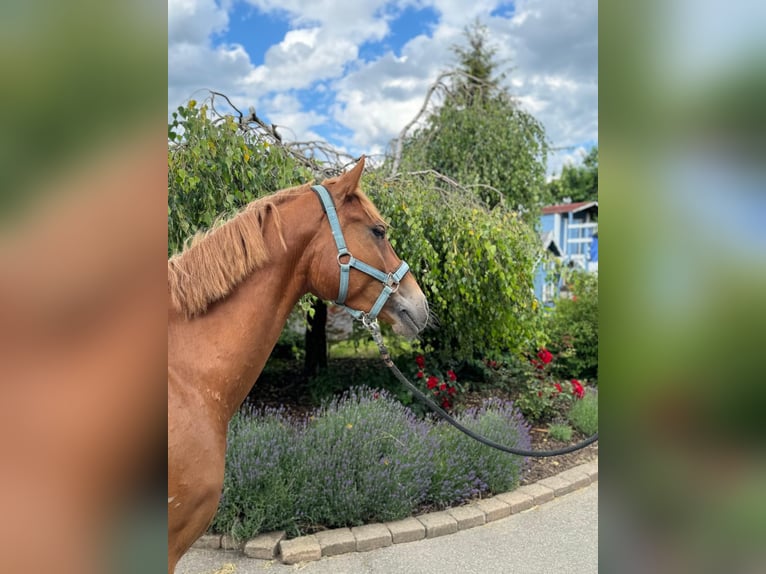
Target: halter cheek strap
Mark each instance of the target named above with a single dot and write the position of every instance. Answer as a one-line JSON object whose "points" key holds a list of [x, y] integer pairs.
{"points": [[346, 261]]}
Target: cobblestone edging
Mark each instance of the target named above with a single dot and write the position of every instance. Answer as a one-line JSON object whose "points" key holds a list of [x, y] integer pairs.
{"points": [[273, 545]]}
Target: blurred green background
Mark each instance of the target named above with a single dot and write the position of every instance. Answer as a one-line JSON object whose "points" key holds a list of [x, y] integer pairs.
{"points": [[683, 284], [78, 78]]}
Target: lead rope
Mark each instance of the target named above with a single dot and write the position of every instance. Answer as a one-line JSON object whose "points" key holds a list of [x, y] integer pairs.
{"points": [[374, 328]]}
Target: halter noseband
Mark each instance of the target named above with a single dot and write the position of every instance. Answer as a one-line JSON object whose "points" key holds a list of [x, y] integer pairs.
{"points": [[346, 261]]}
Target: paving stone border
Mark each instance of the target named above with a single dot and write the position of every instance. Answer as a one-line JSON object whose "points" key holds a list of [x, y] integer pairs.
{"points": [[272, 545]]}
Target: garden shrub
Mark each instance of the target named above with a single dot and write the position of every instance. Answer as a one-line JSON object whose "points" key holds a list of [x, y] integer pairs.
{"points": [[584, 414], [258, 490], [559, 431], [465, 468], [539, 394], [572, 328], [363, 458]]}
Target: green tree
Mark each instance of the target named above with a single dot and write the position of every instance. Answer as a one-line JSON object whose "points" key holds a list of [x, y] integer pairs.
{"points": [[474, 263], [573, 329], [478, 135], [216, 166], [577, 182]]}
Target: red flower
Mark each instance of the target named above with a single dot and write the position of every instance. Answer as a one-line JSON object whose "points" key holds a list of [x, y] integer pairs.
{"points": [[578, 389], [558, 387], [376, 395], [443, 387], [545, 355], [452, 376], [421, 361], [420, 374], [539, 393], [432, 382], [452, 391], [445, 403]]}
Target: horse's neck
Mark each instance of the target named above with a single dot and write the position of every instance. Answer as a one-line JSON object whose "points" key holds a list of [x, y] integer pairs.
{"points": [[222, 352]]}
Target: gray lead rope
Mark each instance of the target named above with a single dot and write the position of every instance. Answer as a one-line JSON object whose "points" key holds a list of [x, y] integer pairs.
{"points": [[374, 328]]}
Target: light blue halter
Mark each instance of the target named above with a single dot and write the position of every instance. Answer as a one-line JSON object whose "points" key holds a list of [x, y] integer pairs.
{"points": [[390, 281]]}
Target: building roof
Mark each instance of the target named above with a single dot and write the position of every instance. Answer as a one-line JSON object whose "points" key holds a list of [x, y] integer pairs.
{"points": [[549, 243], [567, 207]]}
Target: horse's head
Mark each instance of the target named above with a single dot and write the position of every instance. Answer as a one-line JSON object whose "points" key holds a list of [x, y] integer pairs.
{"points": [[377, 282]]}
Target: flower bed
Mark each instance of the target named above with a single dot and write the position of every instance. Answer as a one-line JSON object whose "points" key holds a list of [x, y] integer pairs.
{"points": [[360, 458]]}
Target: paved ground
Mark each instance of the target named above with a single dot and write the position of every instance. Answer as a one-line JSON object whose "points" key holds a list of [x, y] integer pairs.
{"points": [[559, 537]]}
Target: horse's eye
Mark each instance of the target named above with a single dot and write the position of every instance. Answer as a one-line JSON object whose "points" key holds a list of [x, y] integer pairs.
{"points": [[379, 231]]}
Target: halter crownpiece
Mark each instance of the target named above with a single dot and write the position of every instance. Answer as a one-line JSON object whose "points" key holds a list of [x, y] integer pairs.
{"points": [[346, 261]]}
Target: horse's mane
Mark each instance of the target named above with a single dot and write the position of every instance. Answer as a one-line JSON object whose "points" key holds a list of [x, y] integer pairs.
{"points": [[214, 262]]}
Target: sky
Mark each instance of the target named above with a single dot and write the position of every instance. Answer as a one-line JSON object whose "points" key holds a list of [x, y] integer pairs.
{"points": [[354, 73]]}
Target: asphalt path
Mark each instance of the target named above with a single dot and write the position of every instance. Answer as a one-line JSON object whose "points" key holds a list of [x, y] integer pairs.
{"points": [[558, 537]]}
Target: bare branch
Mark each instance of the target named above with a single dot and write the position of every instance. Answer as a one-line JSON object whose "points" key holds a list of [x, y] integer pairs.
{"points": [[438, 84], [400, 140]]}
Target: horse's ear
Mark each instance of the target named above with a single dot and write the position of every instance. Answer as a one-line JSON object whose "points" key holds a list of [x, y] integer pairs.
{"points": [[349, 181]]}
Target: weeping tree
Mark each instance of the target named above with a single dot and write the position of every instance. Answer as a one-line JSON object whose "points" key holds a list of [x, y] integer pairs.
{"points": [[472, 130], [475, 264]]}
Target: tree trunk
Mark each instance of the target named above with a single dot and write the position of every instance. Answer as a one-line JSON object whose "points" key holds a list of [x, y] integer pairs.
{"points": [[316, 340]]}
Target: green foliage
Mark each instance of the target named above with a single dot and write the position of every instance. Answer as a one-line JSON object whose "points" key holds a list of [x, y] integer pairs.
{"points": [[474, 264], [578, 182], [476, 62], [342, 374], [560, 432], [572, 327], [539, 394], [584, 414], [215, 167], [480, 137]]}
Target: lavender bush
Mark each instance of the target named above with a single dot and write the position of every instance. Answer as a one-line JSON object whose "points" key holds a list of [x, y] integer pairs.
{"points": [[364, 457], [361, 458], [258, 490], [465, 468]]}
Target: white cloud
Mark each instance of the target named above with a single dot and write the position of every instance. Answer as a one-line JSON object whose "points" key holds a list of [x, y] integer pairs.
{"points": [[293, 124], [550, 47], [303, 57], [193, 21]]}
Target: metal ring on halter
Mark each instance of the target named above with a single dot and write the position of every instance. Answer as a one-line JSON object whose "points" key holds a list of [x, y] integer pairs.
{"points": [[392, 283], [368, 323], [344, 254]]}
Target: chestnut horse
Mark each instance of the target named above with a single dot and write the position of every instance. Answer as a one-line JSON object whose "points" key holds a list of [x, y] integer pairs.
{"points": [[231, 292]]}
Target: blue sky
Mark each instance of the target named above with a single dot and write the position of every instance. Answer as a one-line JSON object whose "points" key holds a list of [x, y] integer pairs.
{"points": [[355, 73]]}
